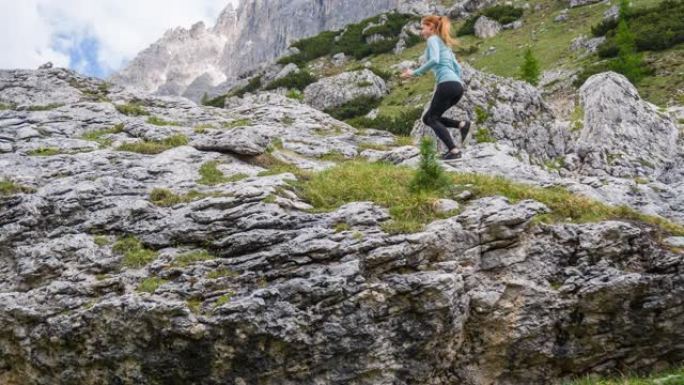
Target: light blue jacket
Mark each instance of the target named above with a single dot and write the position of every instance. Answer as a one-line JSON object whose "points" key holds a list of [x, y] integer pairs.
{"points": [[441, 60]]}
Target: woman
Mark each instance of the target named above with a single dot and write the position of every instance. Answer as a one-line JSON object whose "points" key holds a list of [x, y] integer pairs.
{"points": [[441, 60]]}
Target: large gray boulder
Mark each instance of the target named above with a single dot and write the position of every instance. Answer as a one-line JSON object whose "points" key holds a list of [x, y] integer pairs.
{"points": [[486, 27], [622, 134], [337, 90]]}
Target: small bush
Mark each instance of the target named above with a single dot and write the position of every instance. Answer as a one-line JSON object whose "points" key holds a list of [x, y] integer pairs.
{"points": [[297, 80], [45, 151], [529, 70], [430, 176], [353, 108], [210, 174], [252, 86]]}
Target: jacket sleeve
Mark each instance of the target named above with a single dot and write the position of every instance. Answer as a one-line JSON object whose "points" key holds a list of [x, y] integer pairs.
{"points": [[432, 57]]}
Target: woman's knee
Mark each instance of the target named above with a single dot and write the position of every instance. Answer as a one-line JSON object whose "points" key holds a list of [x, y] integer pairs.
{"points": [[429, 119]]}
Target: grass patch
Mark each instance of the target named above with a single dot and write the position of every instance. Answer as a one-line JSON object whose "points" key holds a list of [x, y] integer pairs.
{"points": [[132, 109], [194, 305], [161, 122], [577, 118], [222, 273], [237, 123], [135, 255], [210, 174], [202, 128], [403, 141], [275, 166], [224, 299], [482, 135], [167, 198], [101, 240], [99, 136], [8, 187], [152, 147], [4, 106], [388, 185], [381, 183], [150, 285], [45, 151], [187, 259]]}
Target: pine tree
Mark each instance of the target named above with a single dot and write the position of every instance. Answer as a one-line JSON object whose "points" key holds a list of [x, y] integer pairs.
{"points": [[628, 61], [529, 71], [430, 175]]}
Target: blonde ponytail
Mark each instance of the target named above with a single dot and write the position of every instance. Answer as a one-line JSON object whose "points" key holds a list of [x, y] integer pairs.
{"points": [[442, 26]]}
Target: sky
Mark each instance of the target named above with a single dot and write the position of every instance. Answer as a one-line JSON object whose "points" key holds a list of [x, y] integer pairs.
{"points": [[93, 37]]}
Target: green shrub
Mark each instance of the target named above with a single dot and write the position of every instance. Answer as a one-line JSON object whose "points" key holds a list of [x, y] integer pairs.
{"points": [[311, 48], [45, 151], [353, 108], [628, 62], [529, 70], [297, 80], [398, 125], [655, 28], [430, 176], [482, 135], [253, 85]]}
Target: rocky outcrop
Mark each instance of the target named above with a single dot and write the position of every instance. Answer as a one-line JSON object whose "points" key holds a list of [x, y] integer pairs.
{"points": [[347, 86], [279, 293], [623, 135], [486, 27]]}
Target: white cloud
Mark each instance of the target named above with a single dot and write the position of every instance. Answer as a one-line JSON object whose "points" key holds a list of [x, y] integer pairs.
{"points": [[37, 31]]}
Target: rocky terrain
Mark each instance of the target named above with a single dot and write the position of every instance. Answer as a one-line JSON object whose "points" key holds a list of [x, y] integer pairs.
{"points": [[107, 279], [146, 239]]}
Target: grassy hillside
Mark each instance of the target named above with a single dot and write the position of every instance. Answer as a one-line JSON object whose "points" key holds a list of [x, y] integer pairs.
{"points": [[501, 55]]}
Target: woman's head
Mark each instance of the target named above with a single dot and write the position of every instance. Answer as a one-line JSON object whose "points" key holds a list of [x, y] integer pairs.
{"points": [[437, 25]]}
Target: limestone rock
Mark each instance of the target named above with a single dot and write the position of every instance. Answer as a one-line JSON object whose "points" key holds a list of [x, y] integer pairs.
{"points": [[622, 134], [337, 90], [486, 27]]}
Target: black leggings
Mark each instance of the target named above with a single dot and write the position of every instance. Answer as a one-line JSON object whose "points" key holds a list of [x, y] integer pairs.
{"points": [[446, 95]]}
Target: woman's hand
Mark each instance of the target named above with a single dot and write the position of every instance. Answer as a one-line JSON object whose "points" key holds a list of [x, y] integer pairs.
{"points": [[407, 73]]}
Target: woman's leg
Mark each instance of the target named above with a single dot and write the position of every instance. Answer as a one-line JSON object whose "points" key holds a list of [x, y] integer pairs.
{"points": [[441, 101]]}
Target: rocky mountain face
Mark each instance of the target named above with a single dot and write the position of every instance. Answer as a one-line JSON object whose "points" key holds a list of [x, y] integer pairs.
{"points": [[238, 281], [192, 62]]}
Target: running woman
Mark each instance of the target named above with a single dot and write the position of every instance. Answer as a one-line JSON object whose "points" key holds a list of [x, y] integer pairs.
{"points": [[442, 62]]}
